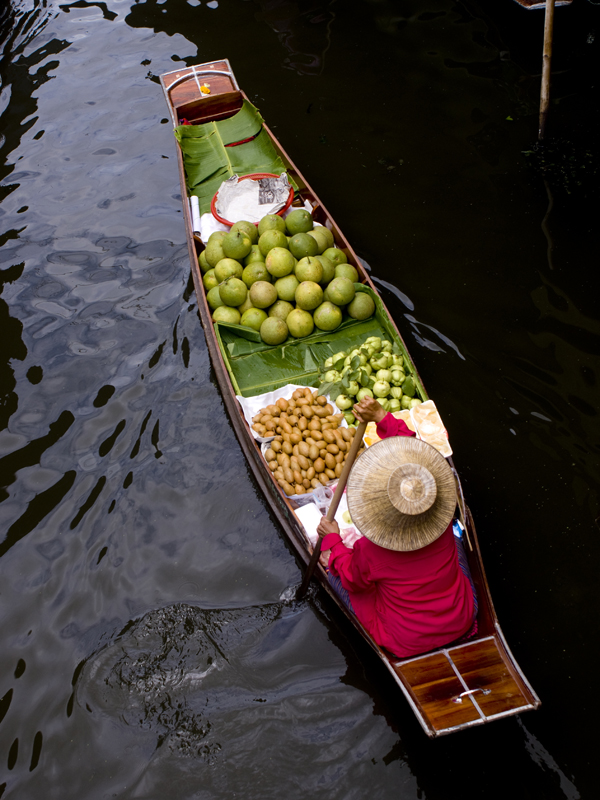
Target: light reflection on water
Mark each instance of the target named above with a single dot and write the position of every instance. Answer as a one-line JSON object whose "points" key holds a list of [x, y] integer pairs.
{"points": [[125, 494]]}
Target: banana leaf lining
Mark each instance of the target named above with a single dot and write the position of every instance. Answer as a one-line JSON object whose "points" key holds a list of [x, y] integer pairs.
{"points": [[210, 154], [256, 368]]}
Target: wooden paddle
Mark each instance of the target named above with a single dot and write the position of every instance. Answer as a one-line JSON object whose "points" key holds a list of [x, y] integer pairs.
{"points": [[333, 506]]}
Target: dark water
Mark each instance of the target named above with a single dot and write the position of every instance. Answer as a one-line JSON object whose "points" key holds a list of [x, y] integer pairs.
{"points": [[146, 651]]}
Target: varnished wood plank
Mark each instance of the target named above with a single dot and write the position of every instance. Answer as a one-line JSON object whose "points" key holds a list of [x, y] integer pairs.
{"points": [[187, 91], [211, 108], [485, 666], [434, 685]]}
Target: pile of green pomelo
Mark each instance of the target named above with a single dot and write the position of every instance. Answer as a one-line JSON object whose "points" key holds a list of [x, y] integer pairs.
{"points": [[282, 278]]}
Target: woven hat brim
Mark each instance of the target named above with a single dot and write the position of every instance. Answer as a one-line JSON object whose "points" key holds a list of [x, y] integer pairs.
{"points": [[369, 504]]}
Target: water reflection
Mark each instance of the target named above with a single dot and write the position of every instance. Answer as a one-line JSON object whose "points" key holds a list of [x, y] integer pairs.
{"points": [[109, 15], [11, 347], [303, 28], [24, 46]]}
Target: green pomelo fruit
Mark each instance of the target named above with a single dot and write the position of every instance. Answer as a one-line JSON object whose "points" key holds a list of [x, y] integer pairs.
{"points": [[273, 331], [324, 231], [328, 269], [271, 222], [300, 323], [246, 227], [281, 309], [286, 287], [253, 318], [245, 305], [227, 314], [336, 255], [340, 291], [327, 316], [236, 244], [346, 271], [253, 255], [226, 268], [209, 280], [362, 307], [214, 298], [321, 239], [216, 237], [298, 221], [302, 245], [308, 295], [256, 271], [233, 291], [309, 269], [204, 265], [270, 239], [214, 252], [263, 294], [280, 262]]}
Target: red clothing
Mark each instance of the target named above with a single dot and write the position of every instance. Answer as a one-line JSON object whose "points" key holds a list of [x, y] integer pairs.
{"points": [[410, 602]]}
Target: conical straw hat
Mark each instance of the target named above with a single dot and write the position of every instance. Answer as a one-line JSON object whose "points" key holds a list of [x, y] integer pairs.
{"points": [[401, 493]]}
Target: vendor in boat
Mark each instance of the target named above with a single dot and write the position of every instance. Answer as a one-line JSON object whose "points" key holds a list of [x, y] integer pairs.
{"points": [[406, 578]]}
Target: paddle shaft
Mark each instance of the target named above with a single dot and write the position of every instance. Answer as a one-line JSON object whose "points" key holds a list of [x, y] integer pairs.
{"points": [[333, 506], [547, 59]]}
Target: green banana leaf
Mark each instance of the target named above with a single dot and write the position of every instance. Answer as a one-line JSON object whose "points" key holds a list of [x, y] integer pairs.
{"points": [[256, 368], [208, 161]]}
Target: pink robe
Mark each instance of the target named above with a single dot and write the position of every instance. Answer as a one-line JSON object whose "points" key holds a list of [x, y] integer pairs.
{"points": [[410, 602]]}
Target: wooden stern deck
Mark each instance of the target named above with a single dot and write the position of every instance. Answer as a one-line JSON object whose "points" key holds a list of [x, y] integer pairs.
{"points": [[466, 685]]}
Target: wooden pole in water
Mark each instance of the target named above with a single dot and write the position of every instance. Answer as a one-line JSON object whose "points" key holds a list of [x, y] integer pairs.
{"points": [[333, 506], [545, 92]]}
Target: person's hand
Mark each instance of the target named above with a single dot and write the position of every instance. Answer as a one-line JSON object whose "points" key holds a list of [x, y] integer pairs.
{"points": [[369, 410], [324, 557], [324, 527]]}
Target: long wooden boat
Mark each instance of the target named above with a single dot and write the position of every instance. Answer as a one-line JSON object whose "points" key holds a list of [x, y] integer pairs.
{"points": [[454, 687]]}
